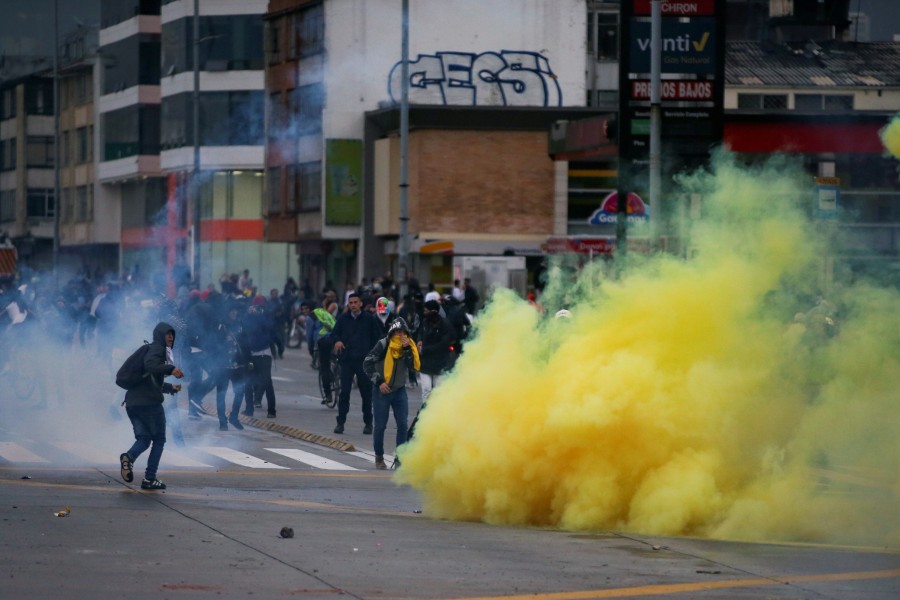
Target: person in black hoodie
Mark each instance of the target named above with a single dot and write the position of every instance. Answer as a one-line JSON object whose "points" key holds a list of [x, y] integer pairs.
{"points": [[144, 405]]}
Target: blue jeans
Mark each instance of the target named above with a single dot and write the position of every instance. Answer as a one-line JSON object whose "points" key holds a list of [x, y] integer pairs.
{"points": [[381, 404], [149, 423]]}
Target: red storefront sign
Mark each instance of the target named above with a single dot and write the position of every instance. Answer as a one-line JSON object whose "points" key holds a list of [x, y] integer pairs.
{"points": [[677, 8], [675, 90]]}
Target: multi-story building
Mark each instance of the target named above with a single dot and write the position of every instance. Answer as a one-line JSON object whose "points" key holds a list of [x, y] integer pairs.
{"points": [[163, 176], [27, 197], [218, 176], [128, 108], [486, 81], [90, 216]]}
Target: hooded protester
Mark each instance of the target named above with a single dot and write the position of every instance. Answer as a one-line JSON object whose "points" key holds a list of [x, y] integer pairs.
{"points": [[384, 310], [144, 406], [388, 366]]}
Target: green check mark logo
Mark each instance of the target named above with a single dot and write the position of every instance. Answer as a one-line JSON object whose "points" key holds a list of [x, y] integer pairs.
{"points": [[699, 46]]}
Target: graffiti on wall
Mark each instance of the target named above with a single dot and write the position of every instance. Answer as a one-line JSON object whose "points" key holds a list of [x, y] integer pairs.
{"points": [[505, 78]]}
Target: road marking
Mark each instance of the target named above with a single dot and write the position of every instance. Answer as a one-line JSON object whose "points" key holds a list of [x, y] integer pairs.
{"points": [[281, 378], [91, 454], [369, 456], [15, 453], [239, 458], [313, 460], [680, 588], [174, 458]]}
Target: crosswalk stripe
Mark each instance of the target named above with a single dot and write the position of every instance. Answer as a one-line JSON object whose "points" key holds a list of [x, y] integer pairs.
{"points": [[239, 458], [174, 458], [311, 459], [281, 378], [15, 453], [370, 456], [91, 454]]}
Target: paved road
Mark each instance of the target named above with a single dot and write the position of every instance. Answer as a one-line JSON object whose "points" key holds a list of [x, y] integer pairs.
{"points": [[216, 532]]}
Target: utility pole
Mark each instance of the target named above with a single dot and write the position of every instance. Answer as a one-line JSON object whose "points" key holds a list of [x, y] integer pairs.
{"points": [[57, 201], [655, 122], [403, 248], [195, 175]]}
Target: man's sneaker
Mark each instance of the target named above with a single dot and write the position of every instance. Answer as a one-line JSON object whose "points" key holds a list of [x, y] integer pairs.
{"points": [[194, 416], [367, 430], [270, 415], [339, 429], [156, 484], [257, 405], [379, 462], [235, 423], [126, 471]]}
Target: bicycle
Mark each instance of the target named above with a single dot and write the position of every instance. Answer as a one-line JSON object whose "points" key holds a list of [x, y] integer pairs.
{"points": [[296, 333], [330, 400]]}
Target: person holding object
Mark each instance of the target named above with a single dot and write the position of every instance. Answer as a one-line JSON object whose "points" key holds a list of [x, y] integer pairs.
{"points": [[388, 366], [144, 406]]}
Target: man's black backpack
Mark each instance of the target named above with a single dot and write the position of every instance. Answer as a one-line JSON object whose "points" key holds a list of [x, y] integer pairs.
{"points": [[131, 373]]}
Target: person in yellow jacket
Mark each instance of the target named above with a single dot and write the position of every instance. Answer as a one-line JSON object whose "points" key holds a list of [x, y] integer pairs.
{"points": [[388, 365]]}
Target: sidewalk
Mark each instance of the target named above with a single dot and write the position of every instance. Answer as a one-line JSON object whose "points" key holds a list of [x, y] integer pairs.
{"points": [[301, 414]]}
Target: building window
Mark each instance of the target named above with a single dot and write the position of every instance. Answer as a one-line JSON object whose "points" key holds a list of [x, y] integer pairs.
{"points": [[84, 204], [309, 32], [310, 185], [273, 189], [823, 102], [175, 118], [8, 103], [65, 149], [293, 188], [39, 151], [7, 206], [307, 103], [40, 203], [762, 101], [131, 131], [232, 118], [39, 98], [603, 35], [83, 150], [227, 43], [273, 41], [8, 154], [133, 61], [67, 206]]}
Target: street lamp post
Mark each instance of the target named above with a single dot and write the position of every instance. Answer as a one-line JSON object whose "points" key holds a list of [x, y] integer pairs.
{"points": [[57, 201], [403, 249], [195, 176]]}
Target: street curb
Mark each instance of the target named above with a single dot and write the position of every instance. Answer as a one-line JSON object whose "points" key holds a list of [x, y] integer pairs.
{"points": [[298, 433], [289, 431]]}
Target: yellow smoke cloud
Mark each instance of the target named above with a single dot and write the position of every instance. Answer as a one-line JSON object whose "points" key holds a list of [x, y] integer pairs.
{"points": [[890, 137], [683, 397]]}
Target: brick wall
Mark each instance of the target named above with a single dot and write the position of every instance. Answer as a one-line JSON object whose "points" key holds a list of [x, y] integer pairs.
{"points": [[490, 182]]}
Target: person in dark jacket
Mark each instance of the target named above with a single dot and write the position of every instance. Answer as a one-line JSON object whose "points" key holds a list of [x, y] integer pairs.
{"points": [[259, 336], [355, 333], [388, 366], [434, 347], [144, 405]]}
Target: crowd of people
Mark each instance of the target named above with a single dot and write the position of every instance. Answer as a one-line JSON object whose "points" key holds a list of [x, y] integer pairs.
{"points": [[228, 336]]}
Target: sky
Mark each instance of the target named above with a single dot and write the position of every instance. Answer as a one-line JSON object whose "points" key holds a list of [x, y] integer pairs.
{"points": [[27, 26]]}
